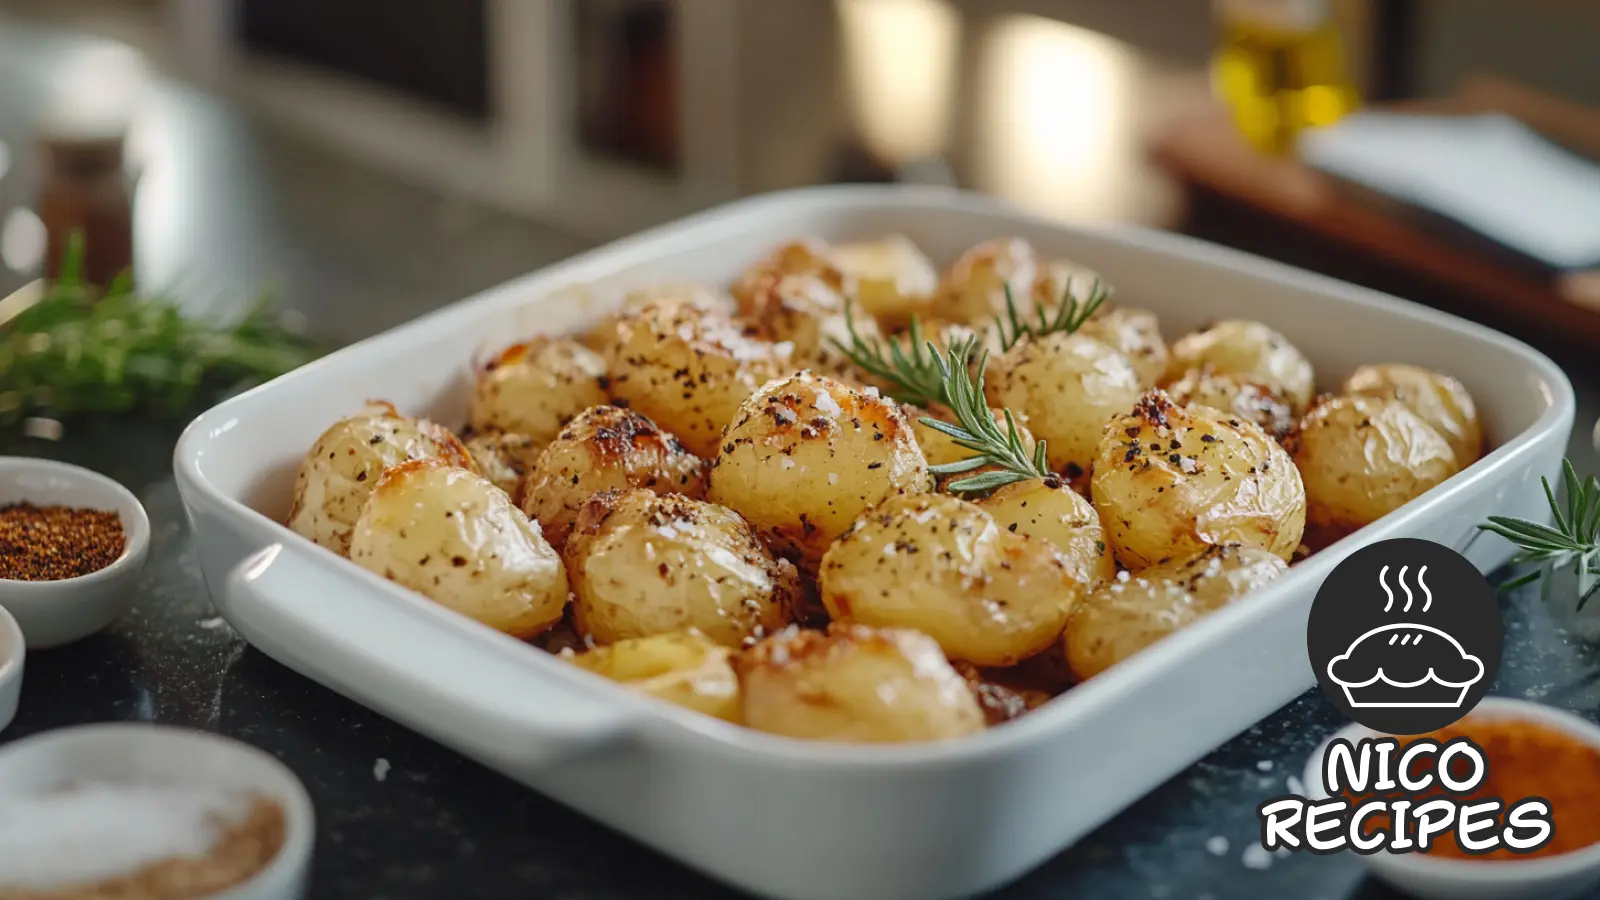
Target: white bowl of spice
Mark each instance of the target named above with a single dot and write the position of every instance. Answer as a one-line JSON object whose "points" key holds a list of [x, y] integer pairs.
{"points": [[150, 812], [72, 543]]}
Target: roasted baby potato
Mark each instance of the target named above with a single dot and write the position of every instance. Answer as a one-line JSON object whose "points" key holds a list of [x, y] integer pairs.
{"points": [[807, 455], [806, 312], [1170, 481], [944, 567], [689, 370], [1058, 277], [343, 466], [455, 538], [1440, 400], [1136, 334], [685, 668], [1129, 614], [1362, 458], [1240, 347], [894, 280], [973, 291], [807, 256], [605, 449], [696, 298], [1050, 510], [855, 684], [1240, 395], [1068, 386], [643, 564], [536, 387], [504, 458]]}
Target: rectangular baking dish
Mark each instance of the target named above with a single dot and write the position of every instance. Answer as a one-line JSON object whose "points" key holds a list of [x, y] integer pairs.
{"points": [[784, 818]]}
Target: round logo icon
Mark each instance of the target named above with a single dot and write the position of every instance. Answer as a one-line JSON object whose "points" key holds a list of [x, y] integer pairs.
{"points": [[1405, 636]]}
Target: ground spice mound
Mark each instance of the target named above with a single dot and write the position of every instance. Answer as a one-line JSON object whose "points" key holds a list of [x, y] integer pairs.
{"points": [[50, 543], [242, 850]]}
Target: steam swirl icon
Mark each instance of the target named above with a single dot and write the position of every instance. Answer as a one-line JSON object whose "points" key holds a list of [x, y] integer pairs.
{"points": [[1405, 664]]}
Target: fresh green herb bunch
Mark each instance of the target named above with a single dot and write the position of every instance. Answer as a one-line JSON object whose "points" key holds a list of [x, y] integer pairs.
{"points": [[913, 377], [83, 350], [1574, 539], [976, 429], [1068, 315]]}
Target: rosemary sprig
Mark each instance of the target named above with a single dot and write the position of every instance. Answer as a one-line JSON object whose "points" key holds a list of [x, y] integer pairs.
{"points": [[914, 378], [976, 429], [81, 350], [1574, 539], [1068, 316]]}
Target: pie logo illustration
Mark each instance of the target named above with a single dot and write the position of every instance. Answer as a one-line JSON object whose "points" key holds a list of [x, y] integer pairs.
{"points": [[1405, 636]]}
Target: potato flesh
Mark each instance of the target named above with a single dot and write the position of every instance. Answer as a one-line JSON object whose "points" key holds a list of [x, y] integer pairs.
{"points": [[1132, 612], [1068, 386], [1050, 510], [1241, 347], [894, 280], [643, 564], [536, 388], [684, 668], [942, 566], [455, 538], [1170, 481], [1239, 395], [855, 684], [807, 456], [1440, 400]]}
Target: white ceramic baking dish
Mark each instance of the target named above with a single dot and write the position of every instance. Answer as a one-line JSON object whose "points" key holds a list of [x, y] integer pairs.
{"points": [[784, 818]]}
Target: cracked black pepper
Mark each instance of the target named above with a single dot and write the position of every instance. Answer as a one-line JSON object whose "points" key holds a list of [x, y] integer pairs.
{"points": [[50, 543]]}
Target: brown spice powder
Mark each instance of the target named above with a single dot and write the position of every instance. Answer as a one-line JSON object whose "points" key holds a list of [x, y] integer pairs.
{"points": [[51, 543], [241, 851]]}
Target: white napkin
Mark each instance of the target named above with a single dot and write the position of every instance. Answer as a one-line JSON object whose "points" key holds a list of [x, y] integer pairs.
{"points": [[1490, 172]]}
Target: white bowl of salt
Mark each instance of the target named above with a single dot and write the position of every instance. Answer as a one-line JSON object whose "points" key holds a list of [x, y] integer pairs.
{"points": [[148, 812]]}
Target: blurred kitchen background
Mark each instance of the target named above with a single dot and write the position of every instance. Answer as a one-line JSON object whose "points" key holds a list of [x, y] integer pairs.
{"points": [[373, 159]]}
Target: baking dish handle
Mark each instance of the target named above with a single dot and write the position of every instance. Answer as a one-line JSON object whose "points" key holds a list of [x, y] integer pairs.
{"points": [[417, 664]]}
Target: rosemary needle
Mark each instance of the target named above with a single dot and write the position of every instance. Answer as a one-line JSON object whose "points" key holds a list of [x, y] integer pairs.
{"points": [[1068, 315], [1572, 541]]}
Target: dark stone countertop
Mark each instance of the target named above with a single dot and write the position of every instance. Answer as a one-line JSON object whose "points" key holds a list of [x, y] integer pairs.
{"points": [[357, 252]]}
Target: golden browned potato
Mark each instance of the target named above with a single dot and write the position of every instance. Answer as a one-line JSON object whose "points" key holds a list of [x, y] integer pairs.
{"points": [[894, 280], [806, 312], [972, 292], [455, 538], [1131, 613], [1362, 458], [940, 449], [855, 684], [806, 256], [1241, 347], [944, 567], [1059, 276], [643, 564], [685, 668], [343, 466], [1068, 386], [1240, 395], [1171, 480], [1049, 509], [504, 458], [1440, 400], [1136, 334], [697, 298], [808, 455], [689, 370], [536, 387], [605, 449]]}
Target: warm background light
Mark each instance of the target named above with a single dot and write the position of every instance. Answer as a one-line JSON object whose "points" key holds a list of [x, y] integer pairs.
{"points": [[900, 71]]}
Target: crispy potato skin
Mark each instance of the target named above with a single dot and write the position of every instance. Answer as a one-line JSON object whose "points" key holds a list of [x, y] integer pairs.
{"points": [[807, 455], [455, 538], [972, 291], [344, 464], [1440, 400], [684, 668], [605, 449], [855, 684], [1129, 614], [809, 314], [536, 387], [1050, 510], [643, 564], [894, 280], [943, 567], [1068, 386], [1241, 347], [806, 256], [1362, 458], [689, 371], [1239, 395], [504, 458], [1136, 334], [688, 297], [1170, 481]]}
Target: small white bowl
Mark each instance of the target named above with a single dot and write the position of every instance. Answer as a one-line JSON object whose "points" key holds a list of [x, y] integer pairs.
{"points": [[53, 613], [1439, 878], [129, 753], [11, 656]]}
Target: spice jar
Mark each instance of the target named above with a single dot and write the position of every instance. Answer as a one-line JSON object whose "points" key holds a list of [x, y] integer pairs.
{"points": [[85, 186]]}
